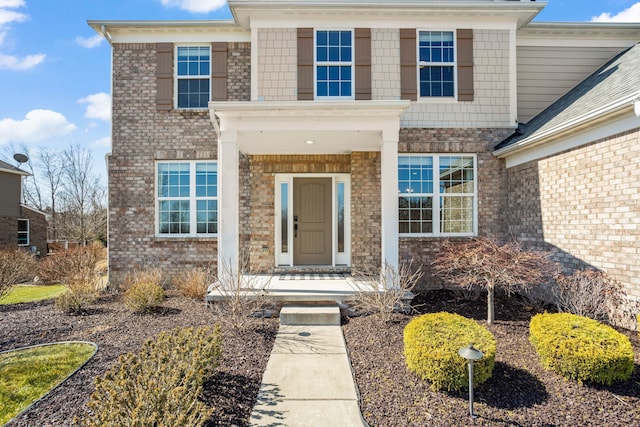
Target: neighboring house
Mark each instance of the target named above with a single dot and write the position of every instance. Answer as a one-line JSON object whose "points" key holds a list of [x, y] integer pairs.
{"points": [[339, 134], [20, 225]]}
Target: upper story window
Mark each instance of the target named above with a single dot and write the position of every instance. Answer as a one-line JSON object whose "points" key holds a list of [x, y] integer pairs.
{"points": [[193, 76], [436, 50], [187, 198], [437, 195], [334, 64], [23, 232]]}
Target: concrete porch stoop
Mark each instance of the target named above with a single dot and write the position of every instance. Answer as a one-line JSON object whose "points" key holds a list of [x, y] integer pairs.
{"points": [[308, 381]]}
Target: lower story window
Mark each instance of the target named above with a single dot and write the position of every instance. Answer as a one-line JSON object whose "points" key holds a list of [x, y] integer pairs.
{"points": [[187, 198], [23, 232], [437, 195]]}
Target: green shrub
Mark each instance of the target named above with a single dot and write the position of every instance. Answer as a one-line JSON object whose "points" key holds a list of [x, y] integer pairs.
{"points": [[144, 291], [78, 296], [161, 385], [431, 344], [580, 348]]}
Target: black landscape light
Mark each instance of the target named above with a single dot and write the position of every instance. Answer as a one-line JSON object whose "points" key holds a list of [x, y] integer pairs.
{"points": [[470, 353]]}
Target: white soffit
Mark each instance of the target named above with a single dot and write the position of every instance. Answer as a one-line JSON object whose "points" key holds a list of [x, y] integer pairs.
{"points": [[334, 127], [579, 34], [291, 13], [170, 31]]}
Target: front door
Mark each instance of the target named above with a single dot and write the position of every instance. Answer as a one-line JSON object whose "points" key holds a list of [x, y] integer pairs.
{"points": [[312, 242]]}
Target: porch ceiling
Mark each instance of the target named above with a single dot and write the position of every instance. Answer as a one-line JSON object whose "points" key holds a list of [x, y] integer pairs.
{"points": [[285, 127]]}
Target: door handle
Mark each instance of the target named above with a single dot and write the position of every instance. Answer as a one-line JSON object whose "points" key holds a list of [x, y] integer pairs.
{"points": [[295, 230]]}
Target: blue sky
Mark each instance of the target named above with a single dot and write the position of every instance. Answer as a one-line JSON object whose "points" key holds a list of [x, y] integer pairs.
{"points": [[54, 70]]}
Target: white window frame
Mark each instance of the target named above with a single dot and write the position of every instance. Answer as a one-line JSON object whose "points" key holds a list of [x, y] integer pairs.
{"points": [[420, 64], [176, 77], [436, 196], [334, 63], [193, 199], [28, 232]]}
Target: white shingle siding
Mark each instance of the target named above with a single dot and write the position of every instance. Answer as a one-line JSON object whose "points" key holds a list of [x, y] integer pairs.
{"points": [[385, 64], [277, 64]]}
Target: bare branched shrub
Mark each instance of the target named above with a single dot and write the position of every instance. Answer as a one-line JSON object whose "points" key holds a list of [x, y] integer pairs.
{"points": [[78, 297], [79, 264], [144, 290], [385, 290], [484, 262], [193, 283], [589, 293], [240, 296], [16, 266]]}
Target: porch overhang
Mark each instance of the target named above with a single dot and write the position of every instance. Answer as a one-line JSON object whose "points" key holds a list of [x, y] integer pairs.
{"points": [[308, 127]]}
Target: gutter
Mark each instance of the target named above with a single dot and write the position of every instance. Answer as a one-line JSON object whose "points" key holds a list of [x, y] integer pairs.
{"points": [[596, 115]]}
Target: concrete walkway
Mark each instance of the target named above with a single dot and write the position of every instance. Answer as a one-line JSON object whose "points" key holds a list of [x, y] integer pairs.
{"points": [[308, 380]]}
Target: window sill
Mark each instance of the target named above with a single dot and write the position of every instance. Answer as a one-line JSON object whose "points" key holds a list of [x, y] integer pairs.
{"points": [[162, 238]]}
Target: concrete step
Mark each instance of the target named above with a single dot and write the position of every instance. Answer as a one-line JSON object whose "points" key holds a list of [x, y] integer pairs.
{"points": [[310, 315]]}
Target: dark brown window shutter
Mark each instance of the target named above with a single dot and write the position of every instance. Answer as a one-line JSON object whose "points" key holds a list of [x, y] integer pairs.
{"points": [[408, 64], [219, 71], [305, 64], [164, 76], [465, 65], [363, 63]]}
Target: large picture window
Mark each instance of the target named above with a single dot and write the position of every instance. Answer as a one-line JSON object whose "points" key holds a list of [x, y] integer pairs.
{"points": [[334, 64], [187, 198], [437, 195], [436, 51], [193, 76]]}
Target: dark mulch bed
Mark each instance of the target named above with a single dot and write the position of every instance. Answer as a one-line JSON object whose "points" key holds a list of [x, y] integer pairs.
{"points": [[520, 392], [116, 330]]}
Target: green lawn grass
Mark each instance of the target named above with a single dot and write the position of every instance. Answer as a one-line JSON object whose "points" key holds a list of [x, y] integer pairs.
{"points": [[22, 293], [27, 375]]}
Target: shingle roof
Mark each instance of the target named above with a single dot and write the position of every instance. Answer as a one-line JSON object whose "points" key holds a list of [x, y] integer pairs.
{"points": [[616, 82], [6, 167]]}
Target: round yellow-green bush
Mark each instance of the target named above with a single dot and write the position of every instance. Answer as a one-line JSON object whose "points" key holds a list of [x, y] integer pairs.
{"points": [[431, 344], [581, 349]]}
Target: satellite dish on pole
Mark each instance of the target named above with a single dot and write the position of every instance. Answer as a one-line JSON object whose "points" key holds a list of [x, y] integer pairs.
{"points": [[20, 158]]}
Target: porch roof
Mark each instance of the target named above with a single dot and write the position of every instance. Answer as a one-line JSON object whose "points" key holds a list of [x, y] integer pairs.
{"points": [[308, 127]]}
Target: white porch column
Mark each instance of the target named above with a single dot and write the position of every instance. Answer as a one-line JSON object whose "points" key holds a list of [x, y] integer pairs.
{"points": [[389, 198], [228, 201]]}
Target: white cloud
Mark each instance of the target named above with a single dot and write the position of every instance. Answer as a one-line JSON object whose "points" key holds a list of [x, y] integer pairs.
{"points": [[631, 14], [37, 125], [90, 42], [195, 6], [11, 62], [9, 16], [11, 3], [102, 142], [99, 106]]}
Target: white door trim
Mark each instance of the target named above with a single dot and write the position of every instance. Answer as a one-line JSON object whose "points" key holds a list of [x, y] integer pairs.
{"points": [[283, 258]]}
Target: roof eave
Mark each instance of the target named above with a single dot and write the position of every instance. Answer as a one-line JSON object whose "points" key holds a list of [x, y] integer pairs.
{"points": [[613, 110]]}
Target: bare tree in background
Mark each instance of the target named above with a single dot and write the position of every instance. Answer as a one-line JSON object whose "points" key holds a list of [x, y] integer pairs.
{"points": [[64, 185], [83, 195]]}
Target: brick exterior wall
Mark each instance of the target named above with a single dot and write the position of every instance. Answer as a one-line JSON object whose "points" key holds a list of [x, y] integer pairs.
{"points": [[366, 210], [141, 136], [492, 187], [239, 72], [584, 205], [37, 230], [491, 105]]}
